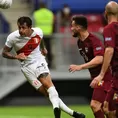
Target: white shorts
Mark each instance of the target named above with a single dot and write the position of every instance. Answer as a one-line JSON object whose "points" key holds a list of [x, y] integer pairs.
{"points": [[33, 71]]}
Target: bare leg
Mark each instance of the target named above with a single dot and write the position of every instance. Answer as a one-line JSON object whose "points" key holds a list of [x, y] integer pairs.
{"points": [[109, 114], [96, 108], [62, 106]]}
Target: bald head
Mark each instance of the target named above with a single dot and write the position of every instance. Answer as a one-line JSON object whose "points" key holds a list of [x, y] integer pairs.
{"points": [[112, 8]]}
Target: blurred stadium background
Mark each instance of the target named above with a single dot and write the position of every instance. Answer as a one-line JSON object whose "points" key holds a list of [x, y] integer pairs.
{"points": [[15, 91]]}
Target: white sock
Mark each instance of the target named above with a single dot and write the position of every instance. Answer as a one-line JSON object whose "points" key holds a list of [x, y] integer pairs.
{"points": [[63, 107], [53, 97]]}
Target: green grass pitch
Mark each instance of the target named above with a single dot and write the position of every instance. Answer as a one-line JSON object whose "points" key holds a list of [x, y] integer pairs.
{"points": [[40, 111]]}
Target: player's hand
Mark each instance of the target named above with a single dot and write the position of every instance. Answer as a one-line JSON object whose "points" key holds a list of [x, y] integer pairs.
{"points": [[74, 68], [44, 52], [95, 82], [21, 57]]}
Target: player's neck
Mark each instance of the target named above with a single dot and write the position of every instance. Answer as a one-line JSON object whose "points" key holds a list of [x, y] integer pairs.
{"points": [[30, 33], [84, 35], [112, 19]]}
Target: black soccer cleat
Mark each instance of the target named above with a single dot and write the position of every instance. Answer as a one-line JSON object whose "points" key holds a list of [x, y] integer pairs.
{"points": [[78, 115], [57, 112]]}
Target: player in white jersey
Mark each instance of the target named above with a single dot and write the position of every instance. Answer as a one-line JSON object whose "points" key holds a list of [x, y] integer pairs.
{"points": [[30, 50]]}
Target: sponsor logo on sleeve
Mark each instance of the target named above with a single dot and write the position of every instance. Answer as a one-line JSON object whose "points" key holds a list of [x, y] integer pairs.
{"points": [[108, 39], [98, 48], [86, 49]]}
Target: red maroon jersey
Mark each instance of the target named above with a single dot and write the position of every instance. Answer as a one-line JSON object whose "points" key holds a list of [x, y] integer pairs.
{"points": [[110, 34], [89, 48]]}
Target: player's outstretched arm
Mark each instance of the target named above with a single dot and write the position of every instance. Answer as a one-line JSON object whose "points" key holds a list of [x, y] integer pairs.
{"points": [[94, 62]]}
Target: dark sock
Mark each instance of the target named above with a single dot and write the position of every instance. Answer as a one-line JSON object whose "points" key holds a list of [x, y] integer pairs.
{"points": [[57, 112], [78, 115], [75, 114], [99, 114]]}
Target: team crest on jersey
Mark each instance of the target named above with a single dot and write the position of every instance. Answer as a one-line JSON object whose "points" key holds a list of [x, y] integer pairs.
{"points": [[86, 49], [36, 40], [80, 49], [108, 39], [115, 97]]}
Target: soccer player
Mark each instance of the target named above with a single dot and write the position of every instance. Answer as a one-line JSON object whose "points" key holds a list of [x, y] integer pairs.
{"points": [[29, 47], [92, 50], [110, 34]]}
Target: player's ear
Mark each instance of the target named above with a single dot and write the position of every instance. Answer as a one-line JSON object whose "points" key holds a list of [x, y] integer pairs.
{"points": [[105, 14], [30, 26], [78, 27]]}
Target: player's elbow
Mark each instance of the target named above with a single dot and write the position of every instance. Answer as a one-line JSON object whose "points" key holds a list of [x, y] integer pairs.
{"points": [[44, 51], [3, 54], [109, 51], [99, 60]]}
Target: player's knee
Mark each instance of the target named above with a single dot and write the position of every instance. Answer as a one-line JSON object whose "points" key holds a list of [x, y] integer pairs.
{"points": [[43, 75], [105, 108], [43, 91], [95, 106], [45, 79]]}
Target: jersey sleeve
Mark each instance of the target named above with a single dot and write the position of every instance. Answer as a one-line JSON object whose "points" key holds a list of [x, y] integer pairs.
{"points": [[109, 37], [9, 41], [98, 48], [40, 32]]}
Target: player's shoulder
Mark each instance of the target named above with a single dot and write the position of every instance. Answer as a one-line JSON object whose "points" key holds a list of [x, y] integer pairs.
{"points": [[107, 26], [14, 34], [111, 25], [38, 31], [93, 37]]}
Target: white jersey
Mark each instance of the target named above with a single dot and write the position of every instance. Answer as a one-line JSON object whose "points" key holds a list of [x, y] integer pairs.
{"points": [[14, 40], [35, 64]]}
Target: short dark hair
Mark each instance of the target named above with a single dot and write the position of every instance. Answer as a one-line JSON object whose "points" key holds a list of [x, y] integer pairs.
{"points": [[42, 5], [25, 19], [80, 20]]}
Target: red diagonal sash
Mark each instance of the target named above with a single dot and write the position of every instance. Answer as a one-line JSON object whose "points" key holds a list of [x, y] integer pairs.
{"points": [[30, 45]]}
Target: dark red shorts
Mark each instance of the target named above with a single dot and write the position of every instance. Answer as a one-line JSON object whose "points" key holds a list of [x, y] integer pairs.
{"points": [[99, 95], [107, 81], [112, 99]]}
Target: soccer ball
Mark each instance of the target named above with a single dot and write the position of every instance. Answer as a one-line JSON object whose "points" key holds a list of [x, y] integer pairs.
{"points": [[5, 4]]}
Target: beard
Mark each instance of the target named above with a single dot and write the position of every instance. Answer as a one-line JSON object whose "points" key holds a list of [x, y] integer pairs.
{"points": [[75, 34]]}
